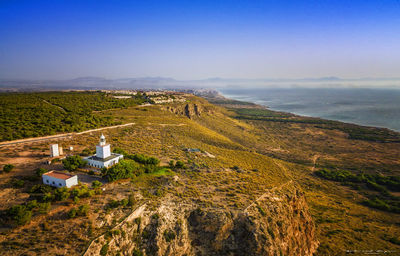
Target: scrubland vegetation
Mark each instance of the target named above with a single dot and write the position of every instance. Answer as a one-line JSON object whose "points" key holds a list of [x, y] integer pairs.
{"points": [[24, 115], [252, 155]]}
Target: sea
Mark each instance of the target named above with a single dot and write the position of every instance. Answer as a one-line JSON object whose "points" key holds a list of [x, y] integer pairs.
{"points": [[369, 107]]}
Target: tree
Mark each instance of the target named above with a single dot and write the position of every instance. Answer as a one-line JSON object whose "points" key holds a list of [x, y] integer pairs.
{"points": [[124, 169], [8, 167], [96, 184], [20, 214], [40, 171], [180, 165], [61, 194], [72, 163]]}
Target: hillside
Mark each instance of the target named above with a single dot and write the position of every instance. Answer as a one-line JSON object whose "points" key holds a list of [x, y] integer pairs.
{"points": [[251, 189]]}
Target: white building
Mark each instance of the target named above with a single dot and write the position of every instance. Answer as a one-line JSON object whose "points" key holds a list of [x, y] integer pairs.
{"points": [[54, 150], [59, 179], [103, 157]]}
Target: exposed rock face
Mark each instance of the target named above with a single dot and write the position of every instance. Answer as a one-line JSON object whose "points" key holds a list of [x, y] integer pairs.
{"points": [[190, 110], [278, 223]]}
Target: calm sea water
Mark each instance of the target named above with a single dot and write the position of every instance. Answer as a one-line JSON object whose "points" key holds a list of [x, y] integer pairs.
{"points": [[371, 107]]}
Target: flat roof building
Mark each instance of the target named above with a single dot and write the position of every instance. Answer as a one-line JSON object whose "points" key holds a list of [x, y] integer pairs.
{"points": [[59, 179]]}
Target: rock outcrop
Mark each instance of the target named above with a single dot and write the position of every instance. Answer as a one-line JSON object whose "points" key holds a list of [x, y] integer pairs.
{"points": [[277, 223]]}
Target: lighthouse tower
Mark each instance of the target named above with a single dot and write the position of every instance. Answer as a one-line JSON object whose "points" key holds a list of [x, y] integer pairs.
{"points": [[103, 157], [103, 149]]}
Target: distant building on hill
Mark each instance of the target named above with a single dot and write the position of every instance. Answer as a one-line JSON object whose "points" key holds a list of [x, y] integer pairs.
{"points": [[59, 179], [103, 157]]}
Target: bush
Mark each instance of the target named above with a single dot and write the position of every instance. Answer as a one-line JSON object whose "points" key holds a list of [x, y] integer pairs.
{"points": [[41, 188], [131, 200], [16, 183], [83, 210], [44, 207], [72, 163], [80, 211], [136, 252], [40, 171], [20, 214], [180, 165], [96, 184], [61, 194], [8, 167], [104, 250], [169, 235], [113, 204], [81, 192], [143, 159], [124, 169], [72, 213]]}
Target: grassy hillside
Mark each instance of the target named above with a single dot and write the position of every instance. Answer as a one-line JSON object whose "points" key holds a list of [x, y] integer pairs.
{"points": [[239, 159]]}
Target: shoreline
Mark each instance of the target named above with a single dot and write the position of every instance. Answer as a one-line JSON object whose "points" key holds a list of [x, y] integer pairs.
{"points": [[230, 97]]}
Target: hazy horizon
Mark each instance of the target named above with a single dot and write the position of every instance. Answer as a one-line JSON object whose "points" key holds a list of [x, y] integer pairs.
{"points": [[46, 40]]}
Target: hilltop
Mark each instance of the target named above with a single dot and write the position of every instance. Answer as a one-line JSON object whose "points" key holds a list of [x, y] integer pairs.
{"points": [[254, 181]]}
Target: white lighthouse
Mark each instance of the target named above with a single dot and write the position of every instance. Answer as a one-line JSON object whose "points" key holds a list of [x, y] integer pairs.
{"points": [[103, 157]]}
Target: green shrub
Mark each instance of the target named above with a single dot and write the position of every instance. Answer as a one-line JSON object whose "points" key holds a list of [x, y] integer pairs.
{"points": [[20, 214], [61, 194], [169, 235], [41, 188], [72, 213], [96, 184], [104, 249], [180, 165], [83, 210], [44, 207], [131, 200], [143, 159], [137, 252], [124, 169], [40, 171], [8, 167], [72, 163], [16, 183]]}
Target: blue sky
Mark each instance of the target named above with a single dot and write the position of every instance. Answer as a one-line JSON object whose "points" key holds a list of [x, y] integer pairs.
{"points": [[199, 39]]}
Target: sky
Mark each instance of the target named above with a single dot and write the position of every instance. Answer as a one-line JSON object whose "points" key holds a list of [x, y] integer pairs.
{"points": [[195, 39]]}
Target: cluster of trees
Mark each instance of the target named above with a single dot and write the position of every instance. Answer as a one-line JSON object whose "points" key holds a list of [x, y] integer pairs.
{"points": [[82, 210], [25, 115], [131, 166], [22, 214], [375, 182], [139, 158], [126, 168], [72, 163]]}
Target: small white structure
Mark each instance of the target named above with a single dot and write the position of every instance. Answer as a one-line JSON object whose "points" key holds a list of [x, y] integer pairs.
{"points": [[59, 179], [103, 157], [54, 150]]}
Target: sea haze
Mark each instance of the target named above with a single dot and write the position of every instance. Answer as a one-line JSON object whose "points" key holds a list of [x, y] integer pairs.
{"points": [[371, 107]]}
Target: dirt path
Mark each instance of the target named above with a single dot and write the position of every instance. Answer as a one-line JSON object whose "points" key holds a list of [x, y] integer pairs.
{"points": [[314, 159], [266, 194], [58, 136], [61, 108]]}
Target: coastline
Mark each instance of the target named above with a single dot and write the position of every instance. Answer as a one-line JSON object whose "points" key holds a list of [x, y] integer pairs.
{"points": [[249, 99]]}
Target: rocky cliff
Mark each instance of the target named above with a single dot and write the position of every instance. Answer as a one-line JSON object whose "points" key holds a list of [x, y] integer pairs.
{"points": [[277, 223]]}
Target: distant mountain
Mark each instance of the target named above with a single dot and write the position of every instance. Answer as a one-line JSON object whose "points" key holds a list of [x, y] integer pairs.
{"points": [[95, 83]]}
